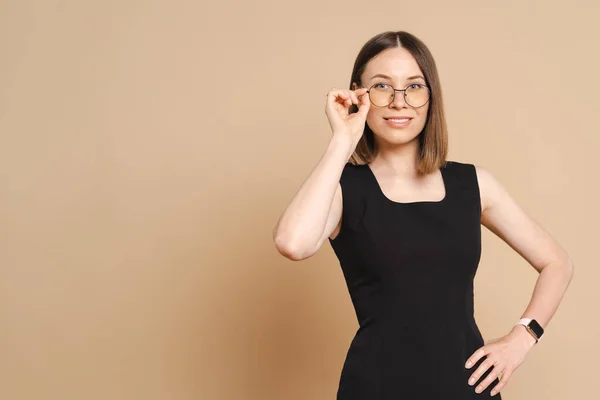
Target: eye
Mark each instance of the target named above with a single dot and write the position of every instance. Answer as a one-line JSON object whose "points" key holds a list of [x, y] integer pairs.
{"points": [[415, 86], [381, 86]]}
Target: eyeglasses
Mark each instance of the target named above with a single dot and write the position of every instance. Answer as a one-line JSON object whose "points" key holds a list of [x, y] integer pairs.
{"points": [[415, 95]]}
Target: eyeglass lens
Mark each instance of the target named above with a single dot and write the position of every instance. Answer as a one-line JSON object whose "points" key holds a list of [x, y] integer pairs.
{"points": [[382, 95]]}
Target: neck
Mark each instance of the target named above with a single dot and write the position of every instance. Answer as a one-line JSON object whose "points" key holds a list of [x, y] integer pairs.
{"points": [[401, 160]]}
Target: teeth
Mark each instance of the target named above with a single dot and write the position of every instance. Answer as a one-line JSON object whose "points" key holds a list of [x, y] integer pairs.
{"points": [[398, 120]]}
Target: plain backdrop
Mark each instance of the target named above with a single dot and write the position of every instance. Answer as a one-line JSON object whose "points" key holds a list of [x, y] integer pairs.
{"points": [[147, 149]]}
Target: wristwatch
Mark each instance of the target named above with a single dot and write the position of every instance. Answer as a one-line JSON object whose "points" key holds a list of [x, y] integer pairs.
{"points": [[533, 327]]}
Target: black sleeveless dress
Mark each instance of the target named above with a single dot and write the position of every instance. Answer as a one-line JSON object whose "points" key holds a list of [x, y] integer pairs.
{"points": [[409, 269]]}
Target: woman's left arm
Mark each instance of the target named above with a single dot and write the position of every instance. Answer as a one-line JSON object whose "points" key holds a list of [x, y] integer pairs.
{"points": [[507, 220]]}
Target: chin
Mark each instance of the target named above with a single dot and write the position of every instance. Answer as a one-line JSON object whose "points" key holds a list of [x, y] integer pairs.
{"points": [[396, 136]]}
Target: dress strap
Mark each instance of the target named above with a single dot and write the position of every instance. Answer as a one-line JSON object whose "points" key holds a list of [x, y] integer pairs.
{"points": [[462, 183], [353, 181]]}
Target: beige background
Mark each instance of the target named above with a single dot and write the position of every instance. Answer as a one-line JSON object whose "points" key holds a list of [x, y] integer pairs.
{"points": [[147, 149]]}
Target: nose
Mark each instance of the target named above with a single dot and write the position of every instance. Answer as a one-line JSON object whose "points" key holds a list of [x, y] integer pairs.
{"points": [[398, 100]]}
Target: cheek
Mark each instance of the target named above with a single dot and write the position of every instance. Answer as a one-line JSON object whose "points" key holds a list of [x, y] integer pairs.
{"points": [[422, 116], [374, 118]]}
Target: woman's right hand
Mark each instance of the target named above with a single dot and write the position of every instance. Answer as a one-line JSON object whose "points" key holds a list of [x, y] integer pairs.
{"points": [[315, 211], [337, 108]]}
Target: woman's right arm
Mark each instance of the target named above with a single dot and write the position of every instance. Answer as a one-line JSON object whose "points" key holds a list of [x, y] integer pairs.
{"points": [[315, 211]]}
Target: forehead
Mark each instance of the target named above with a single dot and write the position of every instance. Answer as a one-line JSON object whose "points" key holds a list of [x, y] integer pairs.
{"points": [[396, 62]]}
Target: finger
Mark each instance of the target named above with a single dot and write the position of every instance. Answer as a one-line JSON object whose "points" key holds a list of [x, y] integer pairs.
{"points": [[335, 93], [482, 351], [364, 105], [333, 97], [341, 103], [358, 93], [340, 96], [485, 365], [343, 98], [332, 91], [503, 380], [352, 97], [488, 379]]}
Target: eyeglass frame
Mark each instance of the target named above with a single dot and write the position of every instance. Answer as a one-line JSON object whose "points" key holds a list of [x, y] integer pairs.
{"points": [[399, 90]]}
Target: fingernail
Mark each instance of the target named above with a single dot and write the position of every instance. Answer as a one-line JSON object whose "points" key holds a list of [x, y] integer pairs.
{"points": [[493, 393], [471, 381], [468, 365], [478, 390]]}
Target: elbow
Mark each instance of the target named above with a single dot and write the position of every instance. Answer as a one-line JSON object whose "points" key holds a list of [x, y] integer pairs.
{"points": [[567, 265], [570, 269], [291, 249], [564, 268]]}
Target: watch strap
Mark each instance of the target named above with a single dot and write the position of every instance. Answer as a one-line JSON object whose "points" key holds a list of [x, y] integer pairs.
{"points": [[525, 322]]}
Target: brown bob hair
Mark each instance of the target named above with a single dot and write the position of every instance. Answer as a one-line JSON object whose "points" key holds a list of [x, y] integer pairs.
{"points": [[433, 139]]}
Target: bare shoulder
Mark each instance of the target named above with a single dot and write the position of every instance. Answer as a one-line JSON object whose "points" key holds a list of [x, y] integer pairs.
{"points": [[502, 215]]}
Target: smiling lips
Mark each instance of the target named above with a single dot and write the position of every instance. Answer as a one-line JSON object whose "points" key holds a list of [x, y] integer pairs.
{"points": [[398, 121], [400, 118]]}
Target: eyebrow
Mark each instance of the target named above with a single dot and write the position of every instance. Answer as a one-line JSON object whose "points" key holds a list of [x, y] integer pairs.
{"points": [[387, 77]]}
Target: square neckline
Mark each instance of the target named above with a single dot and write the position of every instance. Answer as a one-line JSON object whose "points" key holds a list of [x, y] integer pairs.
{"points": [[382, 194]]}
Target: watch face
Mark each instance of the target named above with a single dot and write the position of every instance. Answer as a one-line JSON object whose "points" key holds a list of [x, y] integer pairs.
{"points": [[536, 328]]}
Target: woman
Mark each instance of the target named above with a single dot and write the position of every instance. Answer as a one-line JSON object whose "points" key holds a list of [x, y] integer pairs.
{"points": [[405, 224]]}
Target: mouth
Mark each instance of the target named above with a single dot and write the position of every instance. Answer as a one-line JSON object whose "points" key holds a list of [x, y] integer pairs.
{"points": [[397, 119], [398, 122]]}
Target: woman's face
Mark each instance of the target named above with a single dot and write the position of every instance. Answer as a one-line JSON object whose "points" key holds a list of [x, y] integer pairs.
{"points": [[398, 68]]}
